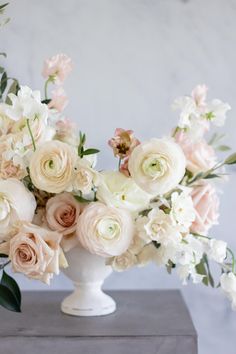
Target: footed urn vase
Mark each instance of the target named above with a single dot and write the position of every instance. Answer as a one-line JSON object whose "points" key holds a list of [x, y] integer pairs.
{"points": [[87, 272]]}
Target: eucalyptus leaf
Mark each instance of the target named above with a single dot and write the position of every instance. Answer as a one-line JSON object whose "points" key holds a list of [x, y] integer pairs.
{"points": [[8, 299]]}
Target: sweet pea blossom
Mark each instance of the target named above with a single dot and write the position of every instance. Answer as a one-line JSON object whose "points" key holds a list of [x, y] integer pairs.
{"points": [[182, 211], [228, 285], [217, 250], [216, 112], [57, 68], [59, 99]]}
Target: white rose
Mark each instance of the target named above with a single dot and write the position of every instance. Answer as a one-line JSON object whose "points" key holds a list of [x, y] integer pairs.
{"points": [[122, 262], [52, 167], [217, 250], [16, 203], [228, 285], [157, 166], [182, 211], [120, 191], [104, 230], [159, 228], [85, 177], [35, 252]]}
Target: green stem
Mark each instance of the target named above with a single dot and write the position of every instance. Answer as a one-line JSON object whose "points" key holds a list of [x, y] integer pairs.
{"points": [[46, 88], [2, 266], [31, 134]]}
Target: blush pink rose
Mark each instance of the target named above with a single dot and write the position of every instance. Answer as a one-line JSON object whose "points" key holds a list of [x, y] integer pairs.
{"points": [[58, 68], [206, 204], [199, 155], [62, 213], [59, 99]]}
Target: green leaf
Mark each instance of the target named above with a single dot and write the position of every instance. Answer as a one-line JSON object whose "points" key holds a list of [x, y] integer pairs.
{"points": [[81, 199], [91, 152], [12, 285], [223, 148], [46, 101], [201, 269], [170, 266], [4, 5], [231, 160], [14, 88], [3, 83], [3, 54], [3, 255], [8, 299], [210, 277], [212, 175]]}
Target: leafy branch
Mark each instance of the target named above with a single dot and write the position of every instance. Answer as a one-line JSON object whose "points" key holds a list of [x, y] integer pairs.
{"points": [[81, 148]]}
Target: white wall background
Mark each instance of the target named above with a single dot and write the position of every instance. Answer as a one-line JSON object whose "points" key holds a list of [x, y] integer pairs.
{"points": [[132, 58]]}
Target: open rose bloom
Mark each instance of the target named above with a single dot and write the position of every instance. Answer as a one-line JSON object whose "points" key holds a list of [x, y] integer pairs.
{"points": [[157, 205]]}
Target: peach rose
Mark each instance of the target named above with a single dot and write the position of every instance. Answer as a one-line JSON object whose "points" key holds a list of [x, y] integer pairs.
{"points": [[200, 156], [35, 252], [105, 231], [206, 204], [57, 68]]}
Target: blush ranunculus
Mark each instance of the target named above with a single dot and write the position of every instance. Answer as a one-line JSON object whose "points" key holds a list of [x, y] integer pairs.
{"points": [[206, 205], [105, 231], [200, 156], [35, 251], [52, 166], [157, 166]]}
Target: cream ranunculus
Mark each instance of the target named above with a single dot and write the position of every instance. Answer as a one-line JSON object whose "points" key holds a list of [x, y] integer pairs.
{"points": [[52, 167], [16, 203], [157, 166], [105, 231], [120, 191], [35, 252]]}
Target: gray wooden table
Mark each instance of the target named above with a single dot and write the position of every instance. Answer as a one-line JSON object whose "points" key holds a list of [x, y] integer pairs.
{"points": [[150, 322]]}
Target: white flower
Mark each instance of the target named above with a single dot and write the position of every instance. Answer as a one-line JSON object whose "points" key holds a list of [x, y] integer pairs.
{"points": [[228, 285], [157, 166], [188, 107], [189, 251], [52, 167], [85, 177], [123, 262], [147, 254], [189, 270], [160, 228], [16, 203], [120, 191], [105, 231], [182, 211], [216, 112], [217, 250], [27, 104]]}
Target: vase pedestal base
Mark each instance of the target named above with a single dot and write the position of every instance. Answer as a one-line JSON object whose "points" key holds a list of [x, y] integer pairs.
{"points": [[88, 300]]}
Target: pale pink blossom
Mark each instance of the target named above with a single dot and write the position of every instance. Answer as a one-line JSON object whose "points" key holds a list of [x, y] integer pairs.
{"points": [[57, 68], [200, 156], [199, 94], [123, 142], [206, 205], [124, 167], [59, 99]]}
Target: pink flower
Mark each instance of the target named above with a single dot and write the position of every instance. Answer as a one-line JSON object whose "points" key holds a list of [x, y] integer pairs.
{"points": [[59, 99], [124, 167], [200, 156], [64, 128], [57, 68], [206, 204], [199, 94], [123, 142]]}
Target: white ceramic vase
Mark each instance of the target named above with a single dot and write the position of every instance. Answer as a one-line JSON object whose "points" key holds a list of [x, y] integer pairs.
{"points": [[88, 272]]}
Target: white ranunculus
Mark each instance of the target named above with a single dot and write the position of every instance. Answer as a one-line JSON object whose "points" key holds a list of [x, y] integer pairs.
{"points": [[182, 211], [85, 177], [228, 285], [16, 203], [105, 231], [123, 262], [52, 167], [217, 250], [159, 228], [120, 191], [157, 166]]}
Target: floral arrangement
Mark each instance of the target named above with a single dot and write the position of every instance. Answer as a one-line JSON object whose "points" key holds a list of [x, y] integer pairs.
{"points": [[157, 206]]}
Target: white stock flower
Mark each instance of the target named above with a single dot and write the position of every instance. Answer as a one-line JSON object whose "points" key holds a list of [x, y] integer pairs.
{"points": [[16, 203], [216, 112], [52, 167], [120, 191], [157, 166], [228, 285], [217, 250], [182, 211], [105, 231]]}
